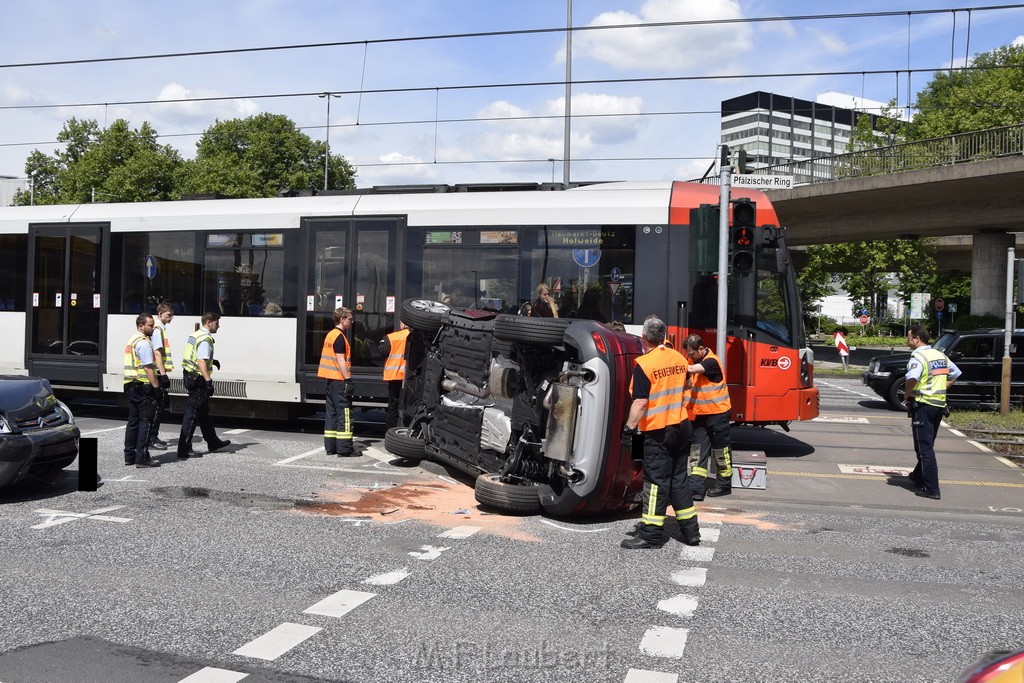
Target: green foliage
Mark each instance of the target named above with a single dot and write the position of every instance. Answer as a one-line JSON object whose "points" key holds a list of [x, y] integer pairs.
{"points": [[259, 157], [988, 95], [964, 323]]}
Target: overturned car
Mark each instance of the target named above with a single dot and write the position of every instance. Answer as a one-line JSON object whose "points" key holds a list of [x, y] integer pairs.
{"points": [[532, 407]]}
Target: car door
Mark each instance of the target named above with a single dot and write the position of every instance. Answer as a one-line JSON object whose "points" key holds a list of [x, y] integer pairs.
{"points": [[980, 373]]}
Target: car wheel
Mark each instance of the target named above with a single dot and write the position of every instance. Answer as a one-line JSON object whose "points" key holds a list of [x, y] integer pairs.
{"points": [[424, 314], [532, 331], [491, 492], [896, 398], [398, 441]]}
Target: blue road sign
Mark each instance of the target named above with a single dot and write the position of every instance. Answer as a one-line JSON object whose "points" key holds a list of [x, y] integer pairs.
{"points": [[586, 258], [938, 315], [150, 267], [616, 274]]}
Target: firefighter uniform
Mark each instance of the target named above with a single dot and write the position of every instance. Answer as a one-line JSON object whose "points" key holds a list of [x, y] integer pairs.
{"points": [[393, 352], [660, 377], [336, 368], [927, 407], [710, 408]]}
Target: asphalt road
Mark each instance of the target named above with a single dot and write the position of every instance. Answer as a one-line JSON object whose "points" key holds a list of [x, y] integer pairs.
{"points": [[273, 562]]}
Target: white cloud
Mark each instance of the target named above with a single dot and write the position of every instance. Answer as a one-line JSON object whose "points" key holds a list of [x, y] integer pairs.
{"points": [[199, 111], [830, 42], [665, 49], [1018, 41]]}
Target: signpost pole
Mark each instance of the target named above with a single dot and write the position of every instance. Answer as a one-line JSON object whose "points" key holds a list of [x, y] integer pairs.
{"points": [[1004, 395], [723, 256]]}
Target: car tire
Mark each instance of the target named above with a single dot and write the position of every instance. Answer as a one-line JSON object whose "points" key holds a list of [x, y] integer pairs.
{"points": [[423, 314], [895, 399], [398, 441], [491, 492], [531, 331]]}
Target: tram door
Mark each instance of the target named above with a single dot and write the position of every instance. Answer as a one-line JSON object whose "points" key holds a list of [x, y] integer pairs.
{"points": [[67, 303], [351, 264]]}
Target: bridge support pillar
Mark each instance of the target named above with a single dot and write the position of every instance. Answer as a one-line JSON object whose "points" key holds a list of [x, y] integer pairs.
{"points": [[988, 272]]}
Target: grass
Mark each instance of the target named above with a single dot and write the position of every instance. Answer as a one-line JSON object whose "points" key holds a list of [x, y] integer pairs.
{"points": [[851, 372], [971, 421]]}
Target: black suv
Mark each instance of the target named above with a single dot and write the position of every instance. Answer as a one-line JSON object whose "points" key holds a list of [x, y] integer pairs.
{"points": [[978, 354]]}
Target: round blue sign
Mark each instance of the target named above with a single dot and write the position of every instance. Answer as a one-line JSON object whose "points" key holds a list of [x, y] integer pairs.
{"points": [[149, 267], [616, 274], [586, 258]]}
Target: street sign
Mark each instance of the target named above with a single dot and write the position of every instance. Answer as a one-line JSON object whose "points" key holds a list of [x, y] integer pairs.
{"points": [[586, 258], [864, 320], [763, 182], [951, 307], [939, 303]]}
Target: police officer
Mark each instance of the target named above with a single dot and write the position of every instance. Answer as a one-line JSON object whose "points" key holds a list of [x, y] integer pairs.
{"points": [[660, 396], [197, 365], [140, 383], [392, 350], [710, 407], [164, 364], [929, 372], [336, 368]]}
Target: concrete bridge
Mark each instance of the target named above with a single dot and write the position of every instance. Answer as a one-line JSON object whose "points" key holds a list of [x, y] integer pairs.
{"points": [[974, 208]]}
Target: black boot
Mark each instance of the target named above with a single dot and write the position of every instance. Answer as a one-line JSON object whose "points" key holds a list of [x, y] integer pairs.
{"points": [[722, 488]]}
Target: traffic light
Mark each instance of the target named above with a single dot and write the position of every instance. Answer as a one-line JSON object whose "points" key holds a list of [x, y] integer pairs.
{"points": [[743, 237]]}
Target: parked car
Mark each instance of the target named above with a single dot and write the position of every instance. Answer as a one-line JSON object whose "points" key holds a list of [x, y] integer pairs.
{"points": [[978, 354], [1003, 666], [531, 407], [38, 435]]}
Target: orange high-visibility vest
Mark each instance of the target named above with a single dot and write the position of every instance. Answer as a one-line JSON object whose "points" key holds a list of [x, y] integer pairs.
{"points": [[394, 366], [666, 405], [710, 398], [332, 367]]}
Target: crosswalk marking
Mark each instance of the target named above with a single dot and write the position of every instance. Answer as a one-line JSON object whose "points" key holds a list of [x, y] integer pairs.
{"points": [[642, 676], [339, 604], [689, 554], [212, 674], [459, 532], [277, 641], [388, 578], [681, 605], [664, 641], [692, 576]]}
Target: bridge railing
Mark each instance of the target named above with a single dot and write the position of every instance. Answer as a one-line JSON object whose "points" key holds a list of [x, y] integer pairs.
{"points": [[907, 156]]}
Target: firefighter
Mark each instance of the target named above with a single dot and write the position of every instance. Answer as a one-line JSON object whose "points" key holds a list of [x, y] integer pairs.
{"points": [[660, 394], [710, 407], [140, 384], [336, 368], [392, 350]]}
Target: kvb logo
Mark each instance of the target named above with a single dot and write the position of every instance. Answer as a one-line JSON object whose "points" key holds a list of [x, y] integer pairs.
{"points": [[783, 363]]}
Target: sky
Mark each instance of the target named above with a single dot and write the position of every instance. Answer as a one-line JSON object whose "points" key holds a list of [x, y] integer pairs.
{"points": [[645, 101]]}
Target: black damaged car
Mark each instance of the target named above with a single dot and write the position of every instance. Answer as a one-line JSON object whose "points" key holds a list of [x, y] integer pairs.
{"points": [[978, 354], [38, 435], [531, 407]]}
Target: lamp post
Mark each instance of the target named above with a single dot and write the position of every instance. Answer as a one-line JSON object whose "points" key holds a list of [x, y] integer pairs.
{"points": [[32, 189], [552, 169], [327, 157]]}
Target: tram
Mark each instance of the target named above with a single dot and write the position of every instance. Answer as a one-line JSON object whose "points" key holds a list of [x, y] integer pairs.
{"points": [[74, 277]]}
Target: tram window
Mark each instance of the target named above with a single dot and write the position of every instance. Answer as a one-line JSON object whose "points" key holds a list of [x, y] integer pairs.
{"points": [[13, 265], [244, 274], [773, 314], [589, 270], [155, 268], [472, 277]]}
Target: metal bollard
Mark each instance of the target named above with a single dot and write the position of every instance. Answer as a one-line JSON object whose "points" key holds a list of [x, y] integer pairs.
{"points": [[87, 475]]}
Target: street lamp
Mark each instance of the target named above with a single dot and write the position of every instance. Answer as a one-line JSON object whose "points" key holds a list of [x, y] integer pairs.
{"points": [[552, 169], [327, 156], [32, 189]]}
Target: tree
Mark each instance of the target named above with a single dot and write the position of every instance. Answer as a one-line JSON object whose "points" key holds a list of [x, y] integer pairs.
{"points": [[112, 164], [260, 156], [987, 95]]}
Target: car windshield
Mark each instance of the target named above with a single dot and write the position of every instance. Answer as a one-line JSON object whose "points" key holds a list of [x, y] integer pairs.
{"points": [[944, 342]]}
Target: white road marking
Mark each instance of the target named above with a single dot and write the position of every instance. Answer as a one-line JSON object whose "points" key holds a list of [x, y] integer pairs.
{"points": [[841, 418], [694, 577], [957, 432], [127, 478], [277, 641], [237, 431], [698, 554], [459, 532], [339, 604], [710, 535], [100, 431], [980, 446], [352, 470], [300, 456], [682, 605], [55, 517], [388, 578], [447, 479], [663, 641], [428, 552], [567, 528], [879, 470], [710, 518], [214, 675], [1008, 463], [642, 676], [849, 391]]}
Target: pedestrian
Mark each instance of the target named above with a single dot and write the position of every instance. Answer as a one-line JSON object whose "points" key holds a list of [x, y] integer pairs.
{"points": [[658, 410], [839, 337], [140, 384], [929, 373], [544, 305], [197, 366], [392, 350], [163, 365], [336, 368], [711, 416]]}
